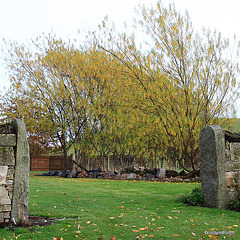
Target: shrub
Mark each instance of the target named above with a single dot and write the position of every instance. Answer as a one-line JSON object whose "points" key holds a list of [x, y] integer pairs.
{"points": [[195, 198], [234, 205]]}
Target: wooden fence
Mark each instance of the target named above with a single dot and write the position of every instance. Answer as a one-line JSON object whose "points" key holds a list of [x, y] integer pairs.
{"points": [[111, 163], [47, 163]]}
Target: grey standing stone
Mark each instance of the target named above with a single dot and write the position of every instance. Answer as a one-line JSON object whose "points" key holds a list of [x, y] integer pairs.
{"points": [[213, 167], [21, 183], [161, 174]]}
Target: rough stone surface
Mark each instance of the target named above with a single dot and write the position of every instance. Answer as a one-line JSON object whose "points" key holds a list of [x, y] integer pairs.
{"points": [[7, 140], [213, 167], [161, 174], [21, 183], [131, 176], [6, 156], [5, 208], [230, 179], [235, 151], [4, 200], [10, 174], [3, 174]]}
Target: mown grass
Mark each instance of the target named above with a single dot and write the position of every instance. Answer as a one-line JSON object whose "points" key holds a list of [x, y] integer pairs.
{"points": [[122, 209]]}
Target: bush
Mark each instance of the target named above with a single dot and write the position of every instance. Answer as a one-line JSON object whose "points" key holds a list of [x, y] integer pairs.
{"points": [[234, 205], [195, 198]]}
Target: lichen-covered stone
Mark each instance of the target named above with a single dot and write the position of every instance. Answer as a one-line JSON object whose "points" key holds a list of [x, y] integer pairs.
{"points": [[232, 195], [19, 211], [7, 140], [7, 156], [213, 167], [235, 151]]}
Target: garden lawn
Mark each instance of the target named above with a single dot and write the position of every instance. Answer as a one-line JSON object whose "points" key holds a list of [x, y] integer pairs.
{"points": [[104, 209]]}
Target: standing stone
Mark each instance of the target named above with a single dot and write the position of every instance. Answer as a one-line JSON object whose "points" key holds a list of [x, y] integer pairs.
{"points": [[21, 183], [161, 174], [213, 167]]}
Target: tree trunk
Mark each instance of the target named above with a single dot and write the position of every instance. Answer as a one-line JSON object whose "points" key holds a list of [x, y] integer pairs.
{"points": [[65, 158]]}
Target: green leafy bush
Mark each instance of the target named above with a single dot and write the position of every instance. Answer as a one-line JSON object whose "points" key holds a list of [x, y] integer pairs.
{"points": [[194, 198], [234, 205]]}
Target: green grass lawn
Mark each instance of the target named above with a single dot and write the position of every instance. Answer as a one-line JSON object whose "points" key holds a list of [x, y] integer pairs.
{"points": [[104, 209]]}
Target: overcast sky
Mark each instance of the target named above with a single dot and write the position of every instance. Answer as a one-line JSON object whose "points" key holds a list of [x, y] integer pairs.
{"points": [[26, 19]]}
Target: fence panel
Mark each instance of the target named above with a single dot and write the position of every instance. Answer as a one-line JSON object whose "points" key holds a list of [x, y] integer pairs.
{"points": [[39, 163]]}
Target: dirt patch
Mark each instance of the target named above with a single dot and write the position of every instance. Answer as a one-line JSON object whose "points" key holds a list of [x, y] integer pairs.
{"points": [[32, 221]]}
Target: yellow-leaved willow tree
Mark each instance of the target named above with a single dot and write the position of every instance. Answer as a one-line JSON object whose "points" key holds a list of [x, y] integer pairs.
{"points": [[60, 91], [182, 79]]}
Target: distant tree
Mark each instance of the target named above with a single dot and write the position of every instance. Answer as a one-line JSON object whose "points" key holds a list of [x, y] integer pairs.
{"points": [[58, 90], [185, 81]]}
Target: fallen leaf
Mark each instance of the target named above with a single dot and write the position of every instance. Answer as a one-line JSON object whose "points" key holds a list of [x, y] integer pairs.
{"points": [[160, 228], [169, 217], [193, 234], [176, 211], [113, 238], [88, 222], [176, 235], [135, 230], [111, 217], [235, 226]]}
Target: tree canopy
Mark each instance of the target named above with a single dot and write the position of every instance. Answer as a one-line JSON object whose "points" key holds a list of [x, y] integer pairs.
{"points": [[114, 97]]}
